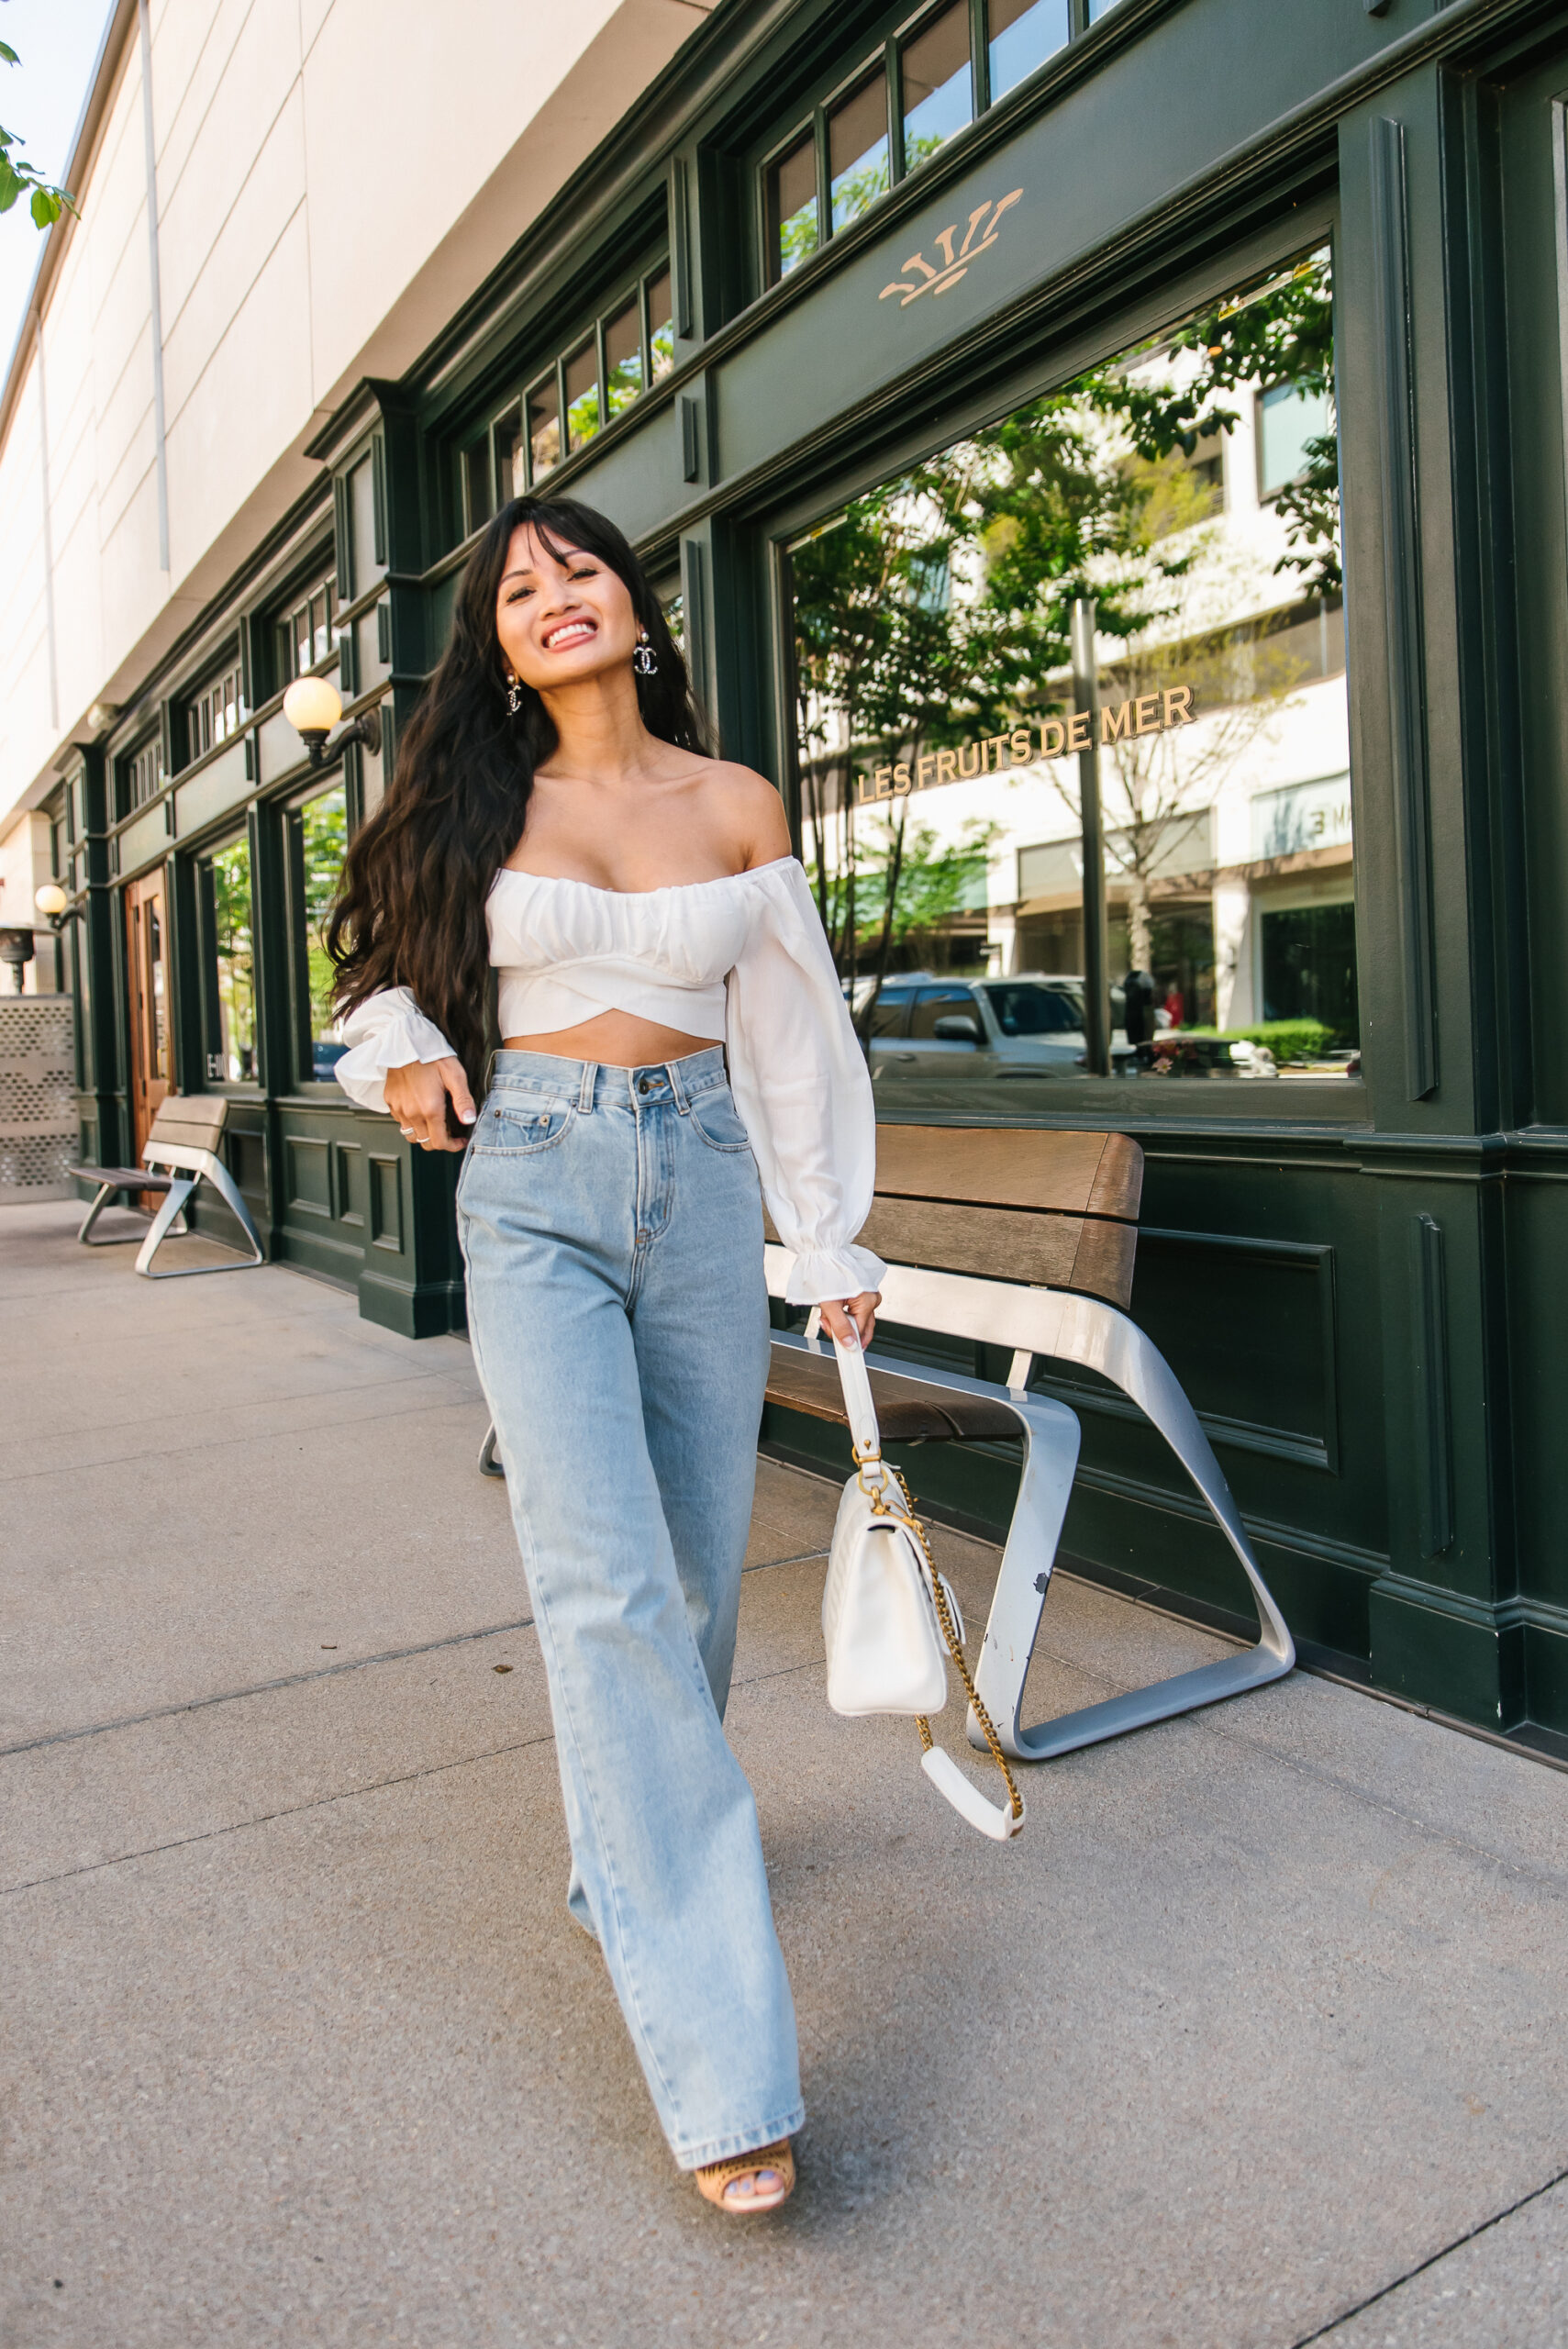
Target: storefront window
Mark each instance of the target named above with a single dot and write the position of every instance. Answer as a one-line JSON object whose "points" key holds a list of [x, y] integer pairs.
{"points": [[661, 324], [506, 438], [792, 205], [321, 837], [623, 359], [230, 964], [938, 96], [1190, 487], [544, 426], [858, 152], [582, 396], [1023, 34]]}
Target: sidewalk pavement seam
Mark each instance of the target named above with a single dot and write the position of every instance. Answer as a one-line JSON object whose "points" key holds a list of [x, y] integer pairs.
{"points": [[227, 1442], [1206, 1719], [289, 1810], [1326, 2331], [323, 1672], [262, 1688], [342, 1794]]}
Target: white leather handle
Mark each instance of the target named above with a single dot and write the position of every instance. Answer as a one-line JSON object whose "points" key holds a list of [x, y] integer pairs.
{"points": [[856, 1380], [995, 1819]]}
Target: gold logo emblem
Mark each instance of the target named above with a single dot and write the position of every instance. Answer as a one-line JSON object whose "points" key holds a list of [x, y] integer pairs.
{"points": [[927, 278]]}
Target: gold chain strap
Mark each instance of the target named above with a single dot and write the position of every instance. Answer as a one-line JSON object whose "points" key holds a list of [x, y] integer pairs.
{"points": [[944, 1617]]}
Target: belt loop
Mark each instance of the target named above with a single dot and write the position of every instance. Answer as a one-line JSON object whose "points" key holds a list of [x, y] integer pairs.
{"points": [[677, 1085], [586, 1090]]}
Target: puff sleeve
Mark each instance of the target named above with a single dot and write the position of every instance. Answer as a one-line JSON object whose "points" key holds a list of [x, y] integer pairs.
{"points": [[387, 1031], [803, 1090]]}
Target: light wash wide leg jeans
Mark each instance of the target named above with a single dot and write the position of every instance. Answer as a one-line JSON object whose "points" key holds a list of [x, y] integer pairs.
{"points": [[612, 1225]]}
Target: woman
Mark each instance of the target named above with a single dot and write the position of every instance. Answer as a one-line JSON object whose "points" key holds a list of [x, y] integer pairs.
{"points": [[553, 815]]}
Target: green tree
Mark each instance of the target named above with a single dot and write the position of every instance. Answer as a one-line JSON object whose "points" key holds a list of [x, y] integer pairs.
{"points": [[18, 177], [935, 608]]}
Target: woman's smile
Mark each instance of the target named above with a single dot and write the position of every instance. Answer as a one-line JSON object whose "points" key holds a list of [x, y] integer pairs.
{"points": [[564, 633]]}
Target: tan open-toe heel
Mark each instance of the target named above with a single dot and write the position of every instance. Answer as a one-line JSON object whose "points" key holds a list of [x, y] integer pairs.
{"points": [[713, 2180]]}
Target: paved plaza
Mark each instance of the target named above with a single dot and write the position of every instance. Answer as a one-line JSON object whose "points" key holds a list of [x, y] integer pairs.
{"points": [[1262, 2015]]}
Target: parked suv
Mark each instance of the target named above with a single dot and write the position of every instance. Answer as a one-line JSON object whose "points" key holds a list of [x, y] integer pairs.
{"points": [[1028, 1029]]}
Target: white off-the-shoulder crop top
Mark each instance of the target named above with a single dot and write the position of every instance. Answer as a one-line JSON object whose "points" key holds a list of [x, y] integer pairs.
{"points": [[742, 960]]}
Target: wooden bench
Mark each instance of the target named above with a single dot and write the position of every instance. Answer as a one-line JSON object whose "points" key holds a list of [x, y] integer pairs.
{"points": [[180, 1152], [1026, 1239]]}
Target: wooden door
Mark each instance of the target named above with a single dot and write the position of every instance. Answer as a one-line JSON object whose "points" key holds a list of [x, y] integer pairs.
{"points": [[146, 941]]}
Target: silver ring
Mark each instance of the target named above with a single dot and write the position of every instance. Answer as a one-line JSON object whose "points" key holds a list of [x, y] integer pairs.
{"points": [[407, 1130]]}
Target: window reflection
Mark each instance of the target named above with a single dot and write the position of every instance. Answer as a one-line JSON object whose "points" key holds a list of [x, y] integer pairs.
{"points": [[322, 837], [583, 394], [507, 436], [938, 96], [793, 228], [1023, 34], [544, 426], [230, 964], [661, 324], [857, 151], [623, 359], [1191, 486]]}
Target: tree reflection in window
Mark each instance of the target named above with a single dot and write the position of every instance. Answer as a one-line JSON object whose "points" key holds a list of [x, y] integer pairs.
{"points": [[323, 839], [226, 876], [1111, 486]]}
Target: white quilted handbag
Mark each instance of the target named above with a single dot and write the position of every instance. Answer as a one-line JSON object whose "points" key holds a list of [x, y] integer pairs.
{"points": [[889, 1618]]}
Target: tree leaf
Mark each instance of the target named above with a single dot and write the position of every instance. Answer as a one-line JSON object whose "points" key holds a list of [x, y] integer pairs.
{"points": [[8, 53]]}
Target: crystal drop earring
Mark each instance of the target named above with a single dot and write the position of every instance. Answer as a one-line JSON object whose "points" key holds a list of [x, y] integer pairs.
{"points": [[645, 660], [514, 692]]}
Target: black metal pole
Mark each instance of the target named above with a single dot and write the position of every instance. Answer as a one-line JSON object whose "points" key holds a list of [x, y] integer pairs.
{"points": [[1085, 735]]}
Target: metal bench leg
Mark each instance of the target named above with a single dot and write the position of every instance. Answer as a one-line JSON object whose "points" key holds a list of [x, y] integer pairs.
{"points": [[1104, 1340], [489, 1464], [213, 1171], [106, 1191], [158, 1232]]}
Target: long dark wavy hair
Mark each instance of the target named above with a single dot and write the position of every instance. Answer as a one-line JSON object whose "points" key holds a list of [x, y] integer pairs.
{"points": [[411, 908]]}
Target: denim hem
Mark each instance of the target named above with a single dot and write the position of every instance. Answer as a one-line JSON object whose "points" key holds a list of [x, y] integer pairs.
{"points": [[745, 2141]]}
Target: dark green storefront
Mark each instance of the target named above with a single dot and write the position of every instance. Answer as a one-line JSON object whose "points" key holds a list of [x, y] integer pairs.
{"points": [[1359, 1275]]}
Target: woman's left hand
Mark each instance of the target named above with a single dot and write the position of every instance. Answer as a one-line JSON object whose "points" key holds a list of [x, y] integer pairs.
{"points": [[858, 1310]]}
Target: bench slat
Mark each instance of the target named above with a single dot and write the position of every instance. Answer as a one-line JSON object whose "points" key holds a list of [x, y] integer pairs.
{"points": [[194, 1120], [906, 1411], [1070, 1251], [1012, 1167], [123, 1178]]}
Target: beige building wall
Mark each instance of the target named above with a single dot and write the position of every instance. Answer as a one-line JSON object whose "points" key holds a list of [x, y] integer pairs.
{"points": [[334, 179]]}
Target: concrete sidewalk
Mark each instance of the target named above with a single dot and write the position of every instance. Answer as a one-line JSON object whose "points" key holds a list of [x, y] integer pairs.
{"points": [[1261, 2016]]}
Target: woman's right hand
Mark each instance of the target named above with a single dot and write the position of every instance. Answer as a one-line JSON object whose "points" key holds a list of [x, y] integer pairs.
{"points": [[416, 1096]]}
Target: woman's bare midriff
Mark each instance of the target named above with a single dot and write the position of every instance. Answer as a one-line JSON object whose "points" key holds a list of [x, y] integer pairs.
{"points": [[615, 1040]]}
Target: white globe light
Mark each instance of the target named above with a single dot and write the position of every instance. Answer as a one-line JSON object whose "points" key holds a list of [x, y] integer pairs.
{"points": [[50, 900], [312, 706]]}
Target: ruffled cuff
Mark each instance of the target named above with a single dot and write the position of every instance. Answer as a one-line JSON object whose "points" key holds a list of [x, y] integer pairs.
{"points": [[392, 1044], [825, 1276]]}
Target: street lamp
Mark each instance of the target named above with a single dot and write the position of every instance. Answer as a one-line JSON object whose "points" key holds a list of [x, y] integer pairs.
{"points": [[54, 904], [313, 707]]}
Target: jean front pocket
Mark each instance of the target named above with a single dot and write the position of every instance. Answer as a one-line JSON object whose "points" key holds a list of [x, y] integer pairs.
{"points": [[521, 1125], [717, 1120]]}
